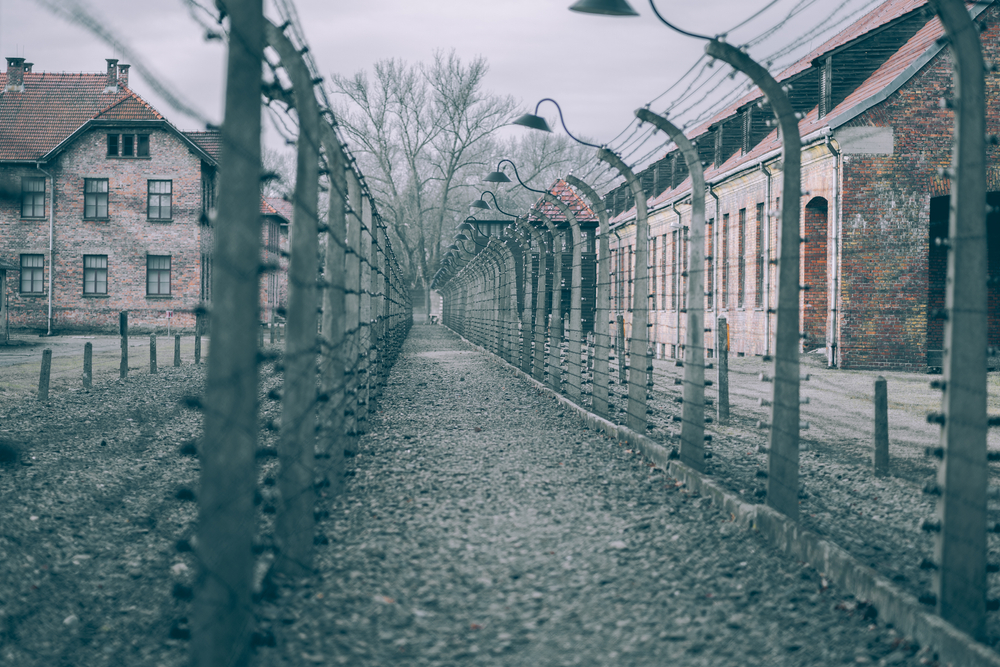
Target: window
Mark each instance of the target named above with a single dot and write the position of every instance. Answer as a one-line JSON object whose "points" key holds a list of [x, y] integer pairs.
{"points": [[759, 291], [674, 289], [159, 200], [652, 273], [663, 272], [32, 274], [95, 274], [32, 197], [128, 145], [95, 198], [157, 275], [741, 249], [725, 262], [709, 271]]}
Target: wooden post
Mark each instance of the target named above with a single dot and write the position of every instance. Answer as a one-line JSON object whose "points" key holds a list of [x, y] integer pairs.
{"points": [[88, 361], [152, 354], [43, 378], [722, 346], [880, 456], [123, 331], [177, 350]]}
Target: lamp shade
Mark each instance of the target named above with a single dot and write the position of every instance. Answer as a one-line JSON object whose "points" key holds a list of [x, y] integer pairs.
{"points": [[606, 7], [479, 203], [533, 121], [497, 177]]}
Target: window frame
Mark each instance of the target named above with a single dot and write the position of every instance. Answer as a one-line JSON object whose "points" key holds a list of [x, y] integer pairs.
{"points": [[159, 198], [137, 141], [159, 272], [96, 272], [31, 269], [35, 194], [96, 197]]}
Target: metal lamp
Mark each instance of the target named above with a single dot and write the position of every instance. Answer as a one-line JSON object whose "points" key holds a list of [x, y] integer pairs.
{"points": [[606, 7]]}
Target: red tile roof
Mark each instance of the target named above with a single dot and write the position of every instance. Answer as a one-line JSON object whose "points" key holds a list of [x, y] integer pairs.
{"points": [[881, 80], [577, 206], [884, 13], [209, 141], [54, 105], [276, 206]]}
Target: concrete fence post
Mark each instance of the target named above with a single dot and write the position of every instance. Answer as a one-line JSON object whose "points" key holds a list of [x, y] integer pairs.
{"points": [[783, 456], [197, 349], [123, 332], [722, 347], [88, 365], [294, 524], [880, 455], [638, 392], [599, 381], [152, 353], [620, 350], [177, 350], [960, 583], [43, 377]]}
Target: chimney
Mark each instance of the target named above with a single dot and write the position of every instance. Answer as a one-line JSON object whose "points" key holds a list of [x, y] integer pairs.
{"points": [[123, 75], [112, 81], [15, 75], [28, 66]]}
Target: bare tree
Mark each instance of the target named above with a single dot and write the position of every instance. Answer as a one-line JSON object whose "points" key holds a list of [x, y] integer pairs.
{"points": [[424, 135]]}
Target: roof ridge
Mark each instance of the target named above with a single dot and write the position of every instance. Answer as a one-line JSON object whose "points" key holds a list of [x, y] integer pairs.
{"points": [[128, 94]]}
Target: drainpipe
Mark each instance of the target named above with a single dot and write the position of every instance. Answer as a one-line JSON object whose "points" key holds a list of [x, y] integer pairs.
{"points": [[767, 261], [52, 264], [833, 347], [716, 253], [677, 280]]}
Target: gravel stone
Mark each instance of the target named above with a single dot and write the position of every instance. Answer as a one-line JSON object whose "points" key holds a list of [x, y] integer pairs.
{"points": [[484, 526]]}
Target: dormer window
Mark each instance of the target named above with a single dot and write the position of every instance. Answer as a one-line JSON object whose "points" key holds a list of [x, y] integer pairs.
{"points": [[128, 145]]}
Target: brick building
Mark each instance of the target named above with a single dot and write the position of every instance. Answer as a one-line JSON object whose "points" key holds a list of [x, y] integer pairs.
{"points": [[105, 205], [874, 136]]}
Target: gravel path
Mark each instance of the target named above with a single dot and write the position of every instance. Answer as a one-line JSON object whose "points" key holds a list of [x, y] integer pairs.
{"points": [[482, 525]]}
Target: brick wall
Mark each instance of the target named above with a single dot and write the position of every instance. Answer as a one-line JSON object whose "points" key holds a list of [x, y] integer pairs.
{"points": [[126, 237], [892, 278]]}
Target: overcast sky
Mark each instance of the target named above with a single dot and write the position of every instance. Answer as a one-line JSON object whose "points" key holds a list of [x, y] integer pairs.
{"points": [[600, 69]]}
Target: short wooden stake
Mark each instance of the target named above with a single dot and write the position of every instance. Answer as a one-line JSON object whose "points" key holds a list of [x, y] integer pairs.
{"points": [[123, 330], [880, 458], [43, 378], [722, 346], [197, 349], [177, 350], [88, 365], [152, 353]]}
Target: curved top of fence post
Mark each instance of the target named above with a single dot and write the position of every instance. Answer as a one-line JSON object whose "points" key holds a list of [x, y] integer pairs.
{"points": [[595, 201]]}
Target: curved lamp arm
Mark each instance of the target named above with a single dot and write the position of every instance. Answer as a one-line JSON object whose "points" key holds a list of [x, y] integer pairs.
{"points": [[500, 177], [483, 204], [536, 122]]}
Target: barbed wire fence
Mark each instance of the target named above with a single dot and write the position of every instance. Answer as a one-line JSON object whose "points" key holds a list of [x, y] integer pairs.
{"points": [[551, 350]]}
